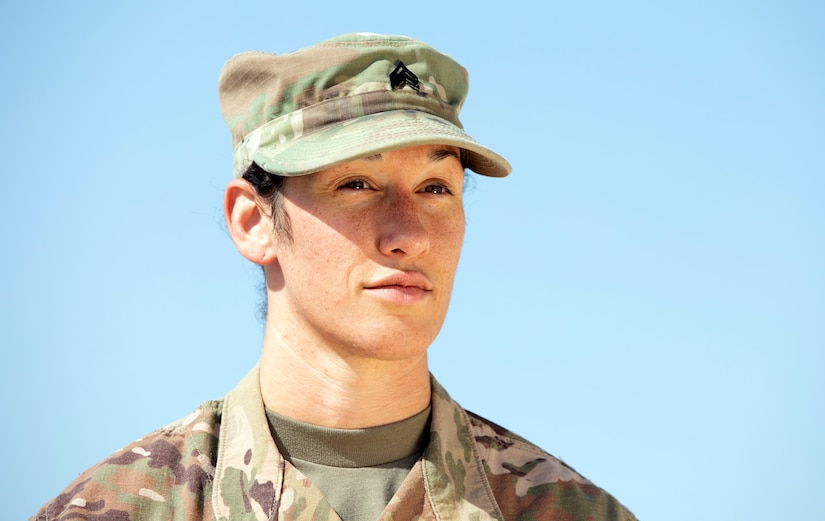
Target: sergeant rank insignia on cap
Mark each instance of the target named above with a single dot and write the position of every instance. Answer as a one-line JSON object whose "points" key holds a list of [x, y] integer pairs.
{"points": [[401, 76]]}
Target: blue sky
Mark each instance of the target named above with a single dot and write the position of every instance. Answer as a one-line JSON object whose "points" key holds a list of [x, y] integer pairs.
{"points": [[644, 297]]}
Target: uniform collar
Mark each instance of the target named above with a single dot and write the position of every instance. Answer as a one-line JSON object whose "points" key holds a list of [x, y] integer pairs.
{"points": [[249, 472]]}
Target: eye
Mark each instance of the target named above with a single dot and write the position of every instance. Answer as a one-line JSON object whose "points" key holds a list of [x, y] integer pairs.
{"points": [[436, 188], [354, 184]]}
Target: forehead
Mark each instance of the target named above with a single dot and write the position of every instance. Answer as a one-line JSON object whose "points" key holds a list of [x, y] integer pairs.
{"points": [[418, 156]]}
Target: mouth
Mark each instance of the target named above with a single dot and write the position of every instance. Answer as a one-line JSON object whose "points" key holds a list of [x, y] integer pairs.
{"points": [[401, 288]]}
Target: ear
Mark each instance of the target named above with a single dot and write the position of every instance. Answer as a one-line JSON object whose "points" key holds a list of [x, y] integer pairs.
{"points": [[249, 227]]}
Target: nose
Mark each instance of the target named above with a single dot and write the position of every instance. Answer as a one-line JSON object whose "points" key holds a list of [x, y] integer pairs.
{"points": [[402, 225]]}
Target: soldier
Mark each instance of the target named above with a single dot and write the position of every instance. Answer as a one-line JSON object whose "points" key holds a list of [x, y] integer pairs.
{"points": [[349, 164]]}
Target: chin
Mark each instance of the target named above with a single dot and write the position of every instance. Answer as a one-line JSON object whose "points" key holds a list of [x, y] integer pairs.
{"points": [[394, 347]]}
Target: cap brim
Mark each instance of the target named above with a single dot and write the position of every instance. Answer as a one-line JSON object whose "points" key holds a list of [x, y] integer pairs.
{"points": [[370, 135]]}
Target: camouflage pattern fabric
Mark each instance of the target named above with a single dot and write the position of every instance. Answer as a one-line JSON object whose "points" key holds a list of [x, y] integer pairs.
{"points": [[345, 98], [220, 463]]}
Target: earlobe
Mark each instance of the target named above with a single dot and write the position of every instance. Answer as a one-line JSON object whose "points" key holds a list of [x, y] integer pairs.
{"points": [[250, 229]]}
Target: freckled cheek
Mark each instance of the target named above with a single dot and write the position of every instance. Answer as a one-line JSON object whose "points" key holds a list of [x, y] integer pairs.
{"points": [[327, 248], [448, 233], [316, 249]]}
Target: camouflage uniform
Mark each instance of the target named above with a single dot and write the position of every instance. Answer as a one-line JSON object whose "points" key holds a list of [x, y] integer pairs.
{"points": [[349, 97], [220, 462]]}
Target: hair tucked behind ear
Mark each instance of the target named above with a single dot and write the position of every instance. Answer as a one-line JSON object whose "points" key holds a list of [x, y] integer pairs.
{"points": [[269, 187]]}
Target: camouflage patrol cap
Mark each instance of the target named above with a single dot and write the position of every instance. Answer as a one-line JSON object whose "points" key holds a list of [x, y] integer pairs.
{"points": [[346, 98]]}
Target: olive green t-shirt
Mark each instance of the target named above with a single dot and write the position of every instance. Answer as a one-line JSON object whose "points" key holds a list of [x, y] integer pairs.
{"points": [[357, 470]]}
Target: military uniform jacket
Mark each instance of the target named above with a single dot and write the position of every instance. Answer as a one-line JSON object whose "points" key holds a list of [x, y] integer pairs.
{"points": [[221, 463]]}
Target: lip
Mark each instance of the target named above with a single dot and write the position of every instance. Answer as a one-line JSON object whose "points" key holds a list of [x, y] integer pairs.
{"points": [[400, 288]]}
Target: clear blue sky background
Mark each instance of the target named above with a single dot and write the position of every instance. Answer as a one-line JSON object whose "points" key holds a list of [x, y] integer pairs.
{"points": [[644, 297]]}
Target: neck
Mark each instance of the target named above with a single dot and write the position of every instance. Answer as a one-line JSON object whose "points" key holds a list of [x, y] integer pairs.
{"points": [[327, 387]]}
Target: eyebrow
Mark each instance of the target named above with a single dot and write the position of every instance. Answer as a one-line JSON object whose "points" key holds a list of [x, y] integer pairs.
{"points": [[443, 153]]}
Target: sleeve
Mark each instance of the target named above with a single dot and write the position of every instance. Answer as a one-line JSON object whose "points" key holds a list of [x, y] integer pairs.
{"points": [[164, 475]]}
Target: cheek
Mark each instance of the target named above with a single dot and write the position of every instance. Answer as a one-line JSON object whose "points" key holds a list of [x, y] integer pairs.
{"points": [[454, 225], [448, 233], [321, 252]]}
